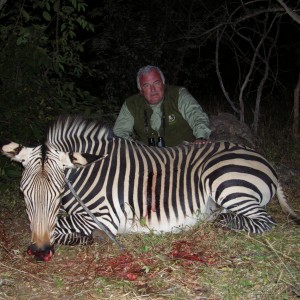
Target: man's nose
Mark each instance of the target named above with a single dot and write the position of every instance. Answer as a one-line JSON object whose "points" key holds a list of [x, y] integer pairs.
{"points": [[152, 86]]}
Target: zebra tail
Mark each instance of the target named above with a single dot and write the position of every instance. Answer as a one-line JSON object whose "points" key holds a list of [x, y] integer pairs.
{"points": [[285, 206]]}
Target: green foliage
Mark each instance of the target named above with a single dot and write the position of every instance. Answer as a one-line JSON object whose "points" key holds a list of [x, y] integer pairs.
{"points": [[41, 68], [40, 65]]}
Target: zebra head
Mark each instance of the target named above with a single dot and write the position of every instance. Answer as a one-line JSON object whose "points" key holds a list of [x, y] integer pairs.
{"points": [[42, 184]]}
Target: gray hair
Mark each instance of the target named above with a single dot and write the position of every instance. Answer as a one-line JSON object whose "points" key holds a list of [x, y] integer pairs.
{"points": [[146, 70]]}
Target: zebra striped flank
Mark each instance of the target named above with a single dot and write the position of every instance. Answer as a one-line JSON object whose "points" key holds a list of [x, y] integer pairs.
{"points": [[130, 187]]}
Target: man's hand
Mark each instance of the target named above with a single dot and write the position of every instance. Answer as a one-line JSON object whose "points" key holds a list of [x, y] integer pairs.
{"points": [[201, 142], [198, 142]]}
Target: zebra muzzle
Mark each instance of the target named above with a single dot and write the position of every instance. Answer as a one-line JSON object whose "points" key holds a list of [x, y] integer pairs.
{"points": [[44, 254]]}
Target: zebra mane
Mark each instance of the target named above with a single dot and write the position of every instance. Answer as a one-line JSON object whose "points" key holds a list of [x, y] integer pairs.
{"points": [[77, 134]]}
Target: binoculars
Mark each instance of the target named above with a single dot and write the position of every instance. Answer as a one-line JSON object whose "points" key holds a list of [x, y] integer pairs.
{"points": [[160, 142]]}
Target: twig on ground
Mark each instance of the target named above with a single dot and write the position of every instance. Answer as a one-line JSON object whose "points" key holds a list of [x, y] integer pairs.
{"points": [[24, 272]]}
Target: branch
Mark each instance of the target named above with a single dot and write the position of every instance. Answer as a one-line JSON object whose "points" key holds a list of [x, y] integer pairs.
{"points": [[14, 30], [2, 3], [220, 77], [294, 16], [239, 20], [233, 22], [296, 109], [57, 28], [264, 78]]}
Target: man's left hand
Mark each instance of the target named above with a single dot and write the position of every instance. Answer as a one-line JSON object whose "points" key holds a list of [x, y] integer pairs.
{"points": [[201, 142]]}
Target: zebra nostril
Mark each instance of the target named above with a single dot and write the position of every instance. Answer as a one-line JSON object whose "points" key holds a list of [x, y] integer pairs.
{"points": [[32, 249], [29, 252], [41, 254]]}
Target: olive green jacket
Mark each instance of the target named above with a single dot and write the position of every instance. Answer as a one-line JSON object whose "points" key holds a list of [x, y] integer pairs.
{"points": [[178, 118]]}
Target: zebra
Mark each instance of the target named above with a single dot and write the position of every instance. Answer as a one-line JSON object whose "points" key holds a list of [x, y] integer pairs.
{"points": [[130, 187]]}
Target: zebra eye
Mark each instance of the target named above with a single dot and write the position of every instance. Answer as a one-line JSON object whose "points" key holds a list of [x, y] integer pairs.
{"points": [[71, 156]]}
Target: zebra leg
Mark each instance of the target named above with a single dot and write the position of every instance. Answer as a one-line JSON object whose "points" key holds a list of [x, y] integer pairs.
{"points": [[74, 230], [254, 219], [73, 238], [78, 229]]}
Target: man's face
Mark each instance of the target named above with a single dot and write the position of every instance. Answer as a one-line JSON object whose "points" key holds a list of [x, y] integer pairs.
{"points": [[152, 87]]}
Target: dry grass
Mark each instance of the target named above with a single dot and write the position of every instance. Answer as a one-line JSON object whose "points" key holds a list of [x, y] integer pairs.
{"points": [[205, 262]]}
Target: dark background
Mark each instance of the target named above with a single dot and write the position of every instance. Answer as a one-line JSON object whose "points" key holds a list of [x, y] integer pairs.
{"points": [[81, 57]]}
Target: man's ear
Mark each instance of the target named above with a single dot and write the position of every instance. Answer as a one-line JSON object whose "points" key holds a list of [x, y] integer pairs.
{"points": [[15, 151], [79, 160]]}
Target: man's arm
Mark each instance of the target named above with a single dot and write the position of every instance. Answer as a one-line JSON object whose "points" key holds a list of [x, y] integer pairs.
{"points": [[124, 124], [192, 112]]}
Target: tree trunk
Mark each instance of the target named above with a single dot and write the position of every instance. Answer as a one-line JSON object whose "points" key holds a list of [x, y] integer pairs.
{"points": [[296, 109]]}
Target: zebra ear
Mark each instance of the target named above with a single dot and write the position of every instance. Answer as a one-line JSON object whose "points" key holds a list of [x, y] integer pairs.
{"points": [[77, 159], [16, 151]]}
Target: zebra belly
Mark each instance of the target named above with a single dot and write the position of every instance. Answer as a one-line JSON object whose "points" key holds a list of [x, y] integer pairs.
{"points": [[131, 224], [139, 226]]}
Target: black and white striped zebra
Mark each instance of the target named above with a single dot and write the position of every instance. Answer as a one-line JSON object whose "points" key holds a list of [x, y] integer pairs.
{"points": [[130, 187]]}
